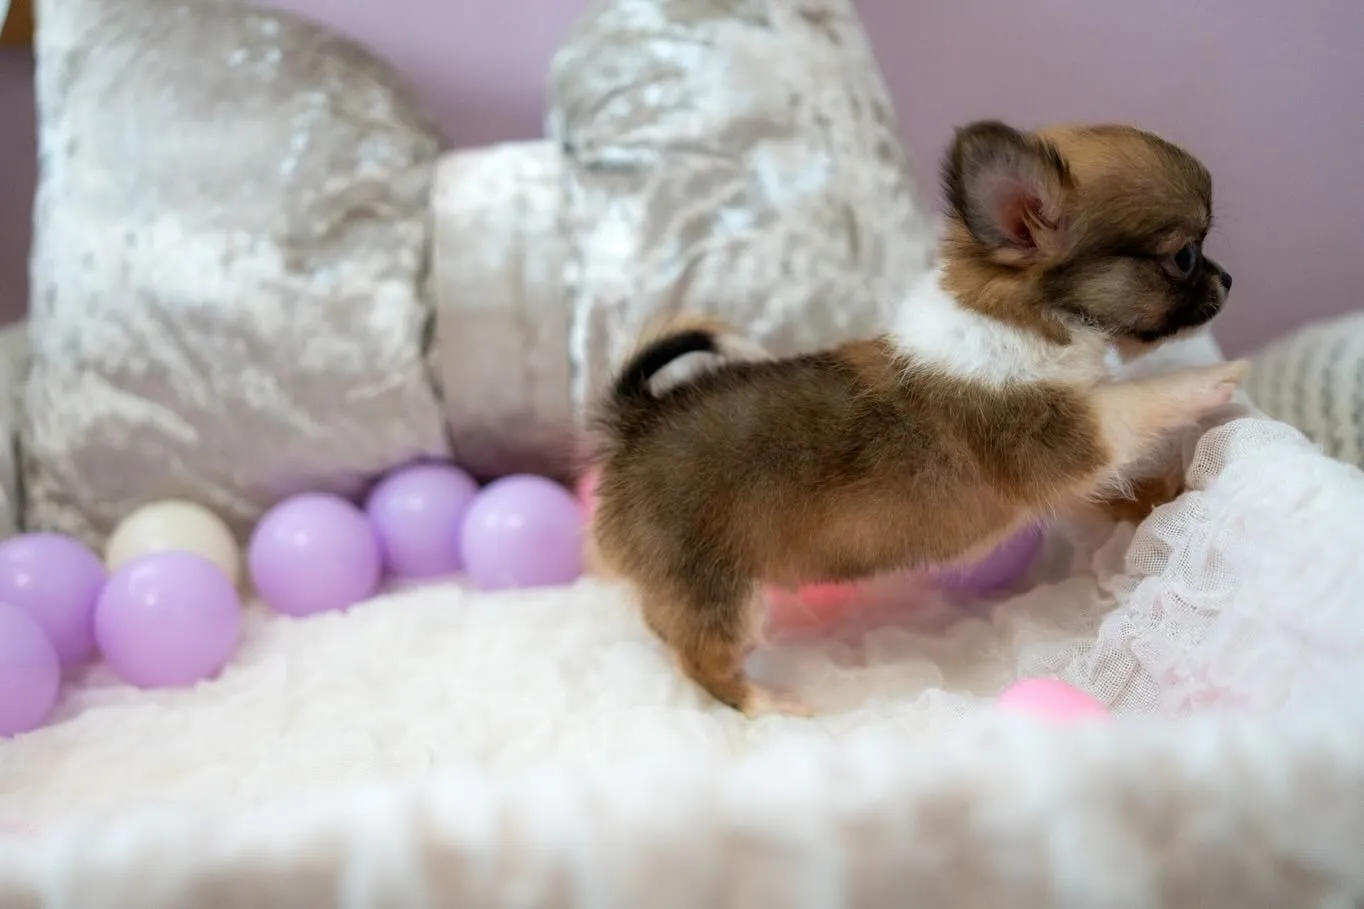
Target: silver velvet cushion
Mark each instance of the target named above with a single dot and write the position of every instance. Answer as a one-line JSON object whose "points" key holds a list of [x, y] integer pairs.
{"points": [[500, 345], [231, 234], [735, 157]]}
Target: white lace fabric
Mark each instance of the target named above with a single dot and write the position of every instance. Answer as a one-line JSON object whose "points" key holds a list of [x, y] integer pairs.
{"points": [[538, 748]]}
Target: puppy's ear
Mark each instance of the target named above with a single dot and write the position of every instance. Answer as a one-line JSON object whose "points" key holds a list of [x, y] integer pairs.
{"points": [[1008, 187]]}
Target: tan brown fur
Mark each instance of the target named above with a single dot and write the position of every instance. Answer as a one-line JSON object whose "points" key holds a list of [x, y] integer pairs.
{"points": [[1143, 495], [846, 463], [1125, 200], [873, 467]]}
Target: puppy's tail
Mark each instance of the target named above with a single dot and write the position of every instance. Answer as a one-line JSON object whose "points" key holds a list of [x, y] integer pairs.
{"points": [[632, 394]]}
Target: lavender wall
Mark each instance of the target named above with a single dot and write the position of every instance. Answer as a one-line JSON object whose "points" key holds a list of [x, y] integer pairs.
{"points": [[1271, 94], [17, 169]]}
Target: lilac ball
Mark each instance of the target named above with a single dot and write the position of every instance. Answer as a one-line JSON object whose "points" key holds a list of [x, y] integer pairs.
{"points": [[417, 513], [523, 531], [56, 580], [168, 619], [998, 570], [30, 673], [314, 553]]}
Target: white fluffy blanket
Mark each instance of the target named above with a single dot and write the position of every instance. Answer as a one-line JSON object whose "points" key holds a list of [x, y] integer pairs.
{"points": [[437, 747]]}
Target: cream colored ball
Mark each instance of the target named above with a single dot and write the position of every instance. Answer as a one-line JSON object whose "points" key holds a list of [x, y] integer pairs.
{"points": [[174, 524]]}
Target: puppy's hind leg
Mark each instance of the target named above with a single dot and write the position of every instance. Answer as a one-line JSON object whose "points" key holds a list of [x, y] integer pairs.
{"points": [[710, 634]]}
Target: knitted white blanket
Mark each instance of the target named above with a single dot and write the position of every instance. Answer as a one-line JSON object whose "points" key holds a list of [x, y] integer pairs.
{"points": [[1314, 379], [536, 748]]}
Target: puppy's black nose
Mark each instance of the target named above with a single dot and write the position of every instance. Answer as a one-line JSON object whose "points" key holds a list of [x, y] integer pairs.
{"points": [[1225, 277]]}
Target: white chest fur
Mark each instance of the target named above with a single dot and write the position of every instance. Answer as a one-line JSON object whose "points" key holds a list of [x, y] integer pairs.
{"points": [[934, 329]]}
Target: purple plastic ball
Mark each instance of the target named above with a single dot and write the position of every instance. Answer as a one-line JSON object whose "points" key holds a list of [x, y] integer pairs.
{"points": [[30, 673], [314, 553], [523, 531], [168, 619], [998, 570], [56, 580], [417, 513]]}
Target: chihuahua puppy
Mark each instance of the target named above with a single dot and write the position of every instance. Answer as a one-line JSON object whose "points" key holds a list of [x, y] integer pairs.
{"points": [[988, 404]]}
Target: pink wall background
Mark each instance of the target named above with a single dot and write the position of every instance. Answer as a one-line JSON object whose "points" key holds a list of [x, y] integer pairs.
{"points": [[1270, 94]]}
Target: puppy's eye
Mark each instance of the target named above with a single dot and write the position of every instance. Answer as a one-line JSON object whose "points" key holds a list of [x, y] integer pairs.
{"points": [[1182, 263]]}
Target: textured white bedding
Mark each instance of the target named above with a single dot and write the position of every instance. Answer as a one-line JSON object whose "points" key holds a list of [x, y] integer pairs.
{"points": [[537, 748]]}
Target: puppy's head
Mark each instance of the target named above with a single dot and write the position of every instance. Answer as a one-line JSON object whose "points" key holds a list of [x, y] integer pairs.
{"points": [[1103, 225]]}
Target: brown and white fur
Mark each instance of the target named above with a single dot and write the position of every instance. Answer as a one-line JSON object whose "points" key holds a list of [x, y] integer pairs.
{"points": [[988, 404]]}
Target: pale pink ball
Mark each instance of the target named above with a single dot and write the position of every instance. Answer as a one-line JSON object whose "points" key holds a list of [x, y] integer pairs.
{"points": [[586, 492], [1051, 699], [812, 607]]}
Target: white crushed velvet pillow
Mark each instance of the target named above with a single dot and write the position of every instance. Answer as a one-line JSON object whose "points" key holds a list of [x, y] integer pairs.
{"points": [[500, 338], [735, 158], [231, 232], [240, 216]]}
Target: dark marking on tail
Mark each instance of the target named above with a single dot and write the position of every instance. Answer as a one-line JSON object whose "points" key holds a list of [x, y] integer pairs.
{"points": [[629, 406], [632, 385]]}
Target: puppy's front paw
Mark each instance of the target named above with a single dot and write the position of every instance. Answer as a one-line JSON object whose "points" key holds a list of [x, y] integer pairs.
{"points": [[1209, 387]]}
